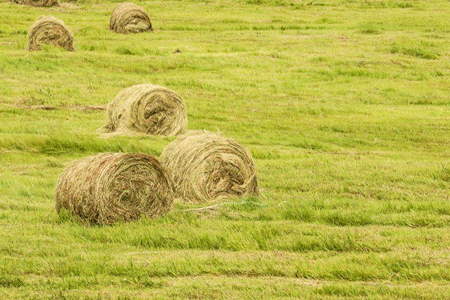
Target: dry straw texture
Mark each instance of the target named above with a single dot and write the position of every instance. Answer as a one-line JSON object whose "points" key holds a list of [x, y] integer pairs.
{"points": [[206, 166], [129, 18], [147, 108], [38, 3], [50, 30], [106, 188]]}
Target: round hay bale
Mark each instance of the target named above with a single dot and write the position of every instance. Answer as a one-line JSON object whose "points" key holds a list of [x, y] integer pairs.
{"points": [[106, 188], [38, 3], [206, 166], [50, 30], [129, 18], [147, 108]]}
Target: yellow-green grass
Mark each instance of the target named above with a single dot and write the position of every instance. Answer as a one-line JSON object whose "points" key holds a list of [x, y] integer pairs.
{"points": [[344, 105]]}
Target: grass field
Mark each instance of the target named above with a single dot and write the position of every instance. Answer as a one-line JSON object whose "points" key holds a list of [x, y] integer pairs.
{"points": [[344, 105]]}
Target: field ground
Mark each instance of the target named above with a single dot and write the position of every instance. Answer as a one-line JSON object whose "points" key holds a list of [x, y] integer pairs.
{"points": [[344, 105]]}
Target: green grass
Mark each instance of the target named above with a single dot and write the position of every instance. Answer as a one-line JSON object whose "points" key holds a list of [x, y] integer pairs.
{"points": [[343, 104]]}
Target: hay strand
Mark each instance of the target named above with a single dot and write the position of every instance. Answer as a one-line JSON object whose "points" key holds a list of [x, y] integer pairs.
{"points": [[109, 187], [50, 30], [206, 166], [129, 18], [38, 3], [147, 108]]}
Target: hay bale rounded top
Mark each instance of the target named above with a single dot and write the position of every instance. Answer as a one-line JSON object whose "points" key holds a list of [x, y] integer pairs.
{"points": [[109, 187], [50, 30], [38, 3], [206, 166], [147, 108], [129, 18]]}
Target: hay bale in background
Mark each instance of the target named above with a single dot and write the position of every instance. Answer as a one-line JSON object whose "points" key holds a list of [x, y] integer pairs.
{"points": [[50, 30], [205, 166], [106, 188], [129, 18], [38, 3], [147, 108]]}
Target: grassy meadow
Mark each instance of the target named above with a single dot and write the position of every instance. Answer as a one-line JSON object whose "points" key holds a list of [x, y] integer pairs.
{"points": [[344, 105]]}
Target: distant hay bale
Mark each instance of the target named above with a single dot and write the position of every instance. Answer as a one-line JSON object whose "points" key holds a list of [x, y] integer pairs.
{"points": [[38, 3], [50, 30], [129, 18], [206, 166], [147, 108], [106, 188]]}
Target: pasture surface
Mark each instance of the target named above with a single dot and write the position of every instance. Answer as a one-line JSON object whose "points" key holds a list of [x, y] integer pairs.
{"points": [[344, 105]]}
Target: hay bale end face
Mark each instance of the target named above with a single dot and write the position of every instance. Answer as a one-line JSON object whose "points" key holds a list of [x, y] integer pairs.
{"points": [[50, 30], [106, 188], [147, 108], [206, 166], [38, 3], [129, 18]]}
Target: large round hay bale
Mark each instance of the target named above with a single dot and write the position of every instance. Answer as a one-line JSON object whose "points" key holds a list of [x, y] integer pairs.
{"points": [[206, 166], [147, 108], [109, 187], [129, 18], [50, 30], [38, 3]]}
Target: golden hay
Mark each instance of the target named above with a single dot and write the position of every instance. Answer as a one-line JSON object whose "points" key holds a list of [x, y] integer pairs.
{"points": [[106, 188], [147, 108], [50, 30], [38, 3], [206, 166], [129, 18]]}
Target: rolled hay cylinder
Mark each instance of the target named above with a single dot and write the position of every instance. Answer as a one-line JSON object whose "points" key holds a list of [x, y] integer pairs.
{"points": [[147, 108], [109, 187], [207, 166], [38, 3], [50, 30], [129, 18]]}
